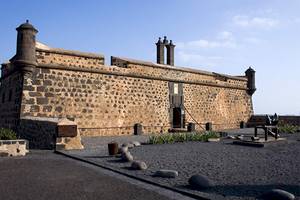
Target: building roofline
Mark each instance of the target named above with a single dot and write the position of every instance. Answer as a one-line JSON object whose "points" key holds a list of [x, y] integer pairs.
{"points": [[44, 48], [178, 68]]}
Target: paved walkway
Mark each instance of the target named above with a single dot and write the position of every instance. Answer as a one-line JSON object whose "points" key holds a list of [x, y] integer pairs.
{"points": [[45, 175]]}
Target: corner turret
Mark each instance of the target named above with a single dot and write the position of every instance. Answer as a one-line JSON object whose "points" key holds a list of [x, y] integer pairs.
{"points": [[250, 74], [25, 58]]}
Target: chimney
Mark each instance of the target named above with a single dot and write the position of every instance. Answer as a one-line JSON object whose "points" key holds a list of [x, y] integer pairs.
{"points": [[160, 52], [170, 53], [165, 40]]}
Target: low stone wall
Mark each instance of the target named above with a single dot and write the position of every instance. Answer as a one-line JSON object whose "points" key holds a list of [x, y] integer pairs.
{"points": [[43, 133], [13, 147], [39, 131], [283, 119]]}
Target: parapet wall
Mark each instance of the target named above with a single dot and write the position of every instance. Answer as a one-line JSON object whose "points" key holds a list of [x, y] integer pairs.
{"points": [[69, 58], [179, 74], [283, 119], [109, 100]]}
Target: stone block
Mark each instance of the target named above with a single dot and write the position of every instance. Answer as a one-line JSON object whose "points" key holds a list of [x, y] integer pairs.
{"points": [[42, 101], [34, 108], [41, 88], [47, 82], [135, 143], [126, 156], [200, 182], [69, 137], [69, 143], [165, 173], [139, 165], [49, 94], [277, 194], [28, 88], [66, 130]]}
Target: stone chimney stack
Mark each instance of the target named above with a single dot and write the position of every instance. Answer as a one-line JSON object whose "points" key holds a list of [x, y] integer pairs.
{"points": [[250, 74], [170, 53], [165, 41], [160, 52], [160, 45], [25, 58]]}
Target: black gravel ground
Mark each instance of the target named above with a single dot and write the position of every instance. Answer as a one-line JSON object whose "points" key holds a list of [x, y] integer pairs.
{"points": [[238, 172], [43, 175]]}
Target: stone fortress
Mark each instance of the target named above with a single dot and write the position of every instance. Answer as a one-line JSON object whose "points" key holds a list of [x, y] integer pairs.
{"points": [[40, 84]]}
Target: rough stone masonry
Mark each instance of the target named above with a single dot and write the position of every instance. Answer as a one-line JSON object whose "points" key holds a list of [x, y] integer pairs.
{"points": [[40, 81]]}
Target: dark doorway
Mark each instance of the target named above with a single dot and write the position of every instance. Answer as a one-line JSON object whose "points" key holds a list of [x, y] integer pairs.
{"points": [[177, 117]]}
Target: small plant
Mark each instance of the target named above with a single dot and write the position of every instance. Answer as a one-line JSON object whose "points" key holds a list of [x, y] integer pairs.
{"points": [[7, 134], [287, 128], [182, 137]]}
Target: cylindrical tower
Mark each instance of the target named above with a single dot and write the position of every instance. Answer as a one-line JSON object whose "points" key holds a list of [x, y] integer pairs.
{"points": [[250, 74], [25, 58]]}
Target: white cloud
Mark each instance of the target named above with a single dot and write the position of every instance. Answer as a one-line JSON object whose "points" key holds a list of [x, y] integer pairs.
{"points": [[194, 52], [224, 39], [225, 35], [254, 22], [253, 40], [203, 44], [197, 59]]}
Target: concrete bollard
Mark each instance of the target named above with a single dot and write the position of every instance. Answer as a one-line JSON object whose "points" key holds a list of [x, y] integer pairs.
{"points": [[191, 127]]}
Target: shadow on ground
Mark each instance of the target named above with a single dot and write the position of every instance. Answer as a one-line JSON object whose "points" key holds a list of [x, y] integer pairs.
{"points": [[245, 190]]}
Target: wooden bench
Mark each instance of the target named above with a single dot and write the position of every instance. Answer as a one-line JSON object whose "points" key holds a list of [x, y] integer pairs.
{"points": [[267, 129]]}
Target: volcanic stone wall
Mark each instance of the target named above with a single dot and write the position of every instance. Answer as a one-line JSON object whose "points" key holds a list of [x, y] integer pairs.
{"points": [[10, 99], [101, 104], [225, 108], [109, 100]]}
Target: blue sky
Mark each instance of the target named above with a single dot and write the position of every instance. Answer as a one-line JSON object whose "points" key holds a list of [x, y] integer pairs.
{"points": [[214, 35]]}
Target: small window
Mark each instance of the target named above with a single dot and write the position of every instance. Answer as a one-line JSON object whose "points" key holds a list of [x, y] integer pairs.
{"points": [[175, 88], [10, 95], [3, 97]]}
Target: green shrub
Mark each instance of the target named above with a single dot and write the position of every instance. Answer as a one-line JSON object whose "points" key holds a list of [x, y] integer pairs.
{"points": [[182, 137], [7, 134], [287, 128]]}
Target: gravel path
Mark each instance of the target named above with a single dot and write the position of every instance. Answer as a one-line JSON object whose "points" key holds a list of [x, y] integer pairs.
{"points": [[238, 172]]}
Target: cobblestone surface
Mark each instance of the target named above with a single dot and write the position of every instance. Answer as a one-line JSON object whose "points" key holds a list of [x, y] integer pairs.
{"points": [[238, 172]]}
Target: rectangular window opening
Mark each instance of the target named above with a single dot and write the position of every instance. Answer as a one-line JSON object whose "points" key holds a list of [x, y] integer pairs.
{"points": [[10, 95], [3, 97], [175, 88]]}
